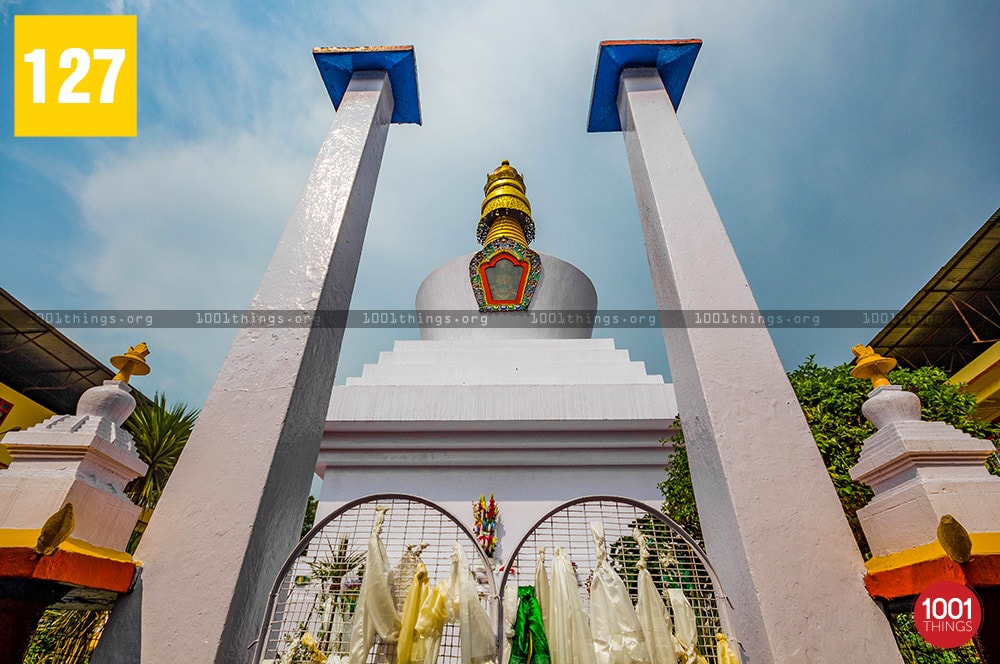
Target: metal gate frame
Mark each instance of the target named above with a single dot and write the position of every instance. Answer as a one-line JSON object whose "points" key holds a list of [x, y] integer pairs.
{"points": [[283, 583], [721, 603], [581, 547]]}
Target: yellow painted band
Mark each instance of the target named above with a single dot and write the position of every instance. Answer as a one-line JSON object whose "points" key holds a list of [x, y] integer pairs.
{"points": [[983, 544], [11, 538], [977, 367]]}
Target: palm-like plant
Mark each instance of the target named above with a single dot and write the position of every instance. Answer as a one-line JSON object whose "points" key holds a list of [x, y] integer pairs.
{"points": [[160, 434]]}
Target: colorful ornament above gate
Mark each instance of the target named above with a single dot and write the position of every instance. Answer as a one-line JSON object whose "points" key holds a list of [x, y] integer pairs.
{"points": [[505, 272]]}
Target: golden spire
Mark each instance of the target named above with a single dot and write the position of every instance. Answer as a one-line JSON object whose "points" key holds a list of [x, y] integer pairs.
{"points": [[133, 362], [872, 366], [506, 210]]}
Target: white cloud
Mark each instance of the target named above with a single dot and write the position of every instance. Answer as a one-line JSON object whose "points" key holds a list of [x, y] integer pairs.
{"points": [[138, 7], [188, 225], [6, 6], [232, 112]]}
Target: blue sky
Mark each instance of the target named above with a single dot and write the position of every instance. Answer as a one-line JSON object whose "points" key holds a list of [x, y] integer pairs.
{"points": [[850, 146]]}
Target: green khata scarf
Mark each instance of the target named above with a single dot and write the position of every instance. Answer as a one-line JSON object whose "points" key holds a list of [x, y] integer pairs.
{"points": [[529, 644]]}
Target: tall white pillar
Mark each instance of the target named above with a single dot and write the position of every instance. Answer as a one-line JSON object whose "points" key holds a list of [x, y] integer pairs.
{"points": [[233, 508], [773, 525]]}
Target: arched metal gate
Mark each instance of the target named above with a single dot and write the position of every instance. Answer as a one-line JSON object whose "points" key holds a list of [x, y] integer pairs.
{"points": [[315, 590], [318, 586], [675, 559]]}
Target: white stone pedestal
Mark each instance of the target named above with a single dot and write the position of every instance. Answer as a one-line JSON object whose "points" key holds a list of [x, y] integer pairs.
{"points": [[85, 459], [919, 472]]}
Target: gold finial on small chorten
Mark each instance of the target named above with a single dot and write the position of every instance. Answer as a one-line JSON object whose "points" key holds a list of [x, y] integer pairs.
{"points": [[872, 366], [132, 363], [506, 210]]}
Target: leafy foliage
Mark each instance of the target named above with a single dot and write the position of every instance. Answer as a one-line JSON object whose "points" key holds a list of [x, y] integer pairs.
{"points": [[338, 576], [677, 489], [310, 517], [334, 594], [665, 570], [915, 650], [160, 434], [831, 401], [65, 636]]}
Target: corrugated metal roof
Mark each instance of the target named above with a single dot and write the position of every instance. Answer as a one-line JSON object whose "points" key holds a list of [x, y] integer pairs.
{"points": [[41, 363], [956, 316]]}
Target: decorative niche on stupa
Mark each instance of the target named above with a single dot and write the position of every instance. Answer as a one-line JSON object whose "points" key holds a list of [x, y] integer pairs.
{"points": [[505, 272]]}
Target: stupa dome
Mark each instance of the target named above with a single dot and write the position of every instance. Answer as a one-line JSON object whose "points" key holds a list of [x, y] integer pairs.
{"points": [[506, 290]]}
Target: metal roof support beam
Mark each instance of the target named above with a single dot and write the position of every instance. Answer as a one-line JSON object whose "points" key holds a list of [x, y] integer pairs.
{"points": [[954, 301]]}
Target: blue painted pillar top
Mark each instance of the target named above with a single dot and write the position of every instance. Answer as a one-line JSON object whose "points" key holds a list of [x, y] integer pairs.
{"points": [[672, 59], [337, 65]]}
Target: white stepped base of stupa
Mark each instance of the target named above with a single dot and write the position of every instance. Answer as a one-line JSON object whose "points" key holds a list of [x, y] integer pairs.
{"points": [[536, 422], [509, 362]]}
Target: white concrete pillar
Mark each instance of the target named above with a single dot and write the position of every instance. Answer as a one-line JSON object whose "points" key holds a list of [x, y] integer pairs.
{"points": [[773, 525], [233, 508]]}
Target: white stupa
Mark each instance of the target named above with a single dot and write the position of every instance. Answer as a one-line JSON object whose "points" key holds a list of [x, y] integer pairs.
{"points": [[536, 414]]}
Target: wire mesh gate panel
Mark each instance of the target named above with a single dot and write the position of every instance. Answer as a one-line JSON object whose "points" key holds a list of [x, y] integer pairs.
{"points": [[318, 587], [675, 559]]}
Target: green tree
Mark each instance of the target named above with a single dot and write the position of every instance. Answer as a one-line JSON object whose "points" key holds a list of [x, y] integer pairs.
{"points": [[310, 517], [160, 434], [831, 400], [677, 489]]}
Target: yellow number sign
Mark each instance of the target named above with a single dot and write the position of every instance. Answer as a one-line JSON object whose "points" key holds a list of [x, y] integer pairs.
{"points": [[74, 76]]}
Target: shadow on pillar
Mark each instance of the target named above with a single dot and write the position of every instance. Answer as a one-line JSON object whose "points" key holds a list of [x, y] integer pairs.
{"points": [[123, 645]]}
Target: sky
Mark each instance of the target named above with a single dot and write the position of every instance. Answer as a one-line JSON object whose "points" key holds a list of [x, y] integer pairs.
{"points": [[850, 147]]}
